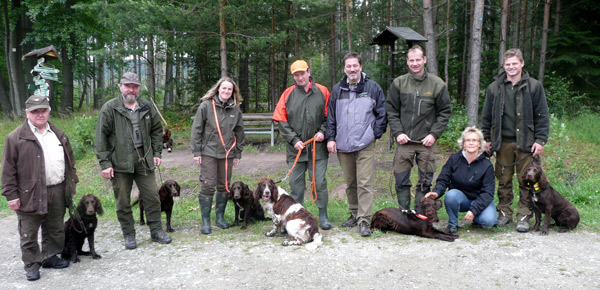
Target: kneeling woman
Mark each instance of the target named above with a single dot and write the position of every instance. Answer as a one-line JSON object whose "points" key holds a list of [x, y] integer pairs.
{"points": [[469, 176]]}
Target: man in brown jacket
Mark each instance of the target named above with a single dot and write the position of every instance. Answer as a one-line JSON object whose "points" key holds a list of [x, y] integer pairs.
{"points": [[38, 178]]}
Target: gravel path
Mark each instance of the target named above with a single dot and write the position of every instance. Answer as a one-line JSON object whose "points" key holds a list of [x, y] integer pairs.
{"points": [[246, 260]]}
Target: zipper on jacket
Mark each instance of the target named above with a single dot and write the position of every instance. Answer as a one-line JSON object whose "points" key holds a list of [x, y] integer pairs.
{"points": [[412, 119]]}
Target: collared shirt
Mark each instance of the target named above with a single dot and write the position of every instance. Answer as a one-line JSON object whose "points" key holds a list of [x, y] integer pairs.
{"points": [[54, 154], [134, 116]]}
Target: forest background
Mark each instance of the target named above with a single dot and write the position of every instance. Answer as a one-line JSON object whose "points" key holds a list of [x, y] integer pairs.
{"points": [[180, 48]]}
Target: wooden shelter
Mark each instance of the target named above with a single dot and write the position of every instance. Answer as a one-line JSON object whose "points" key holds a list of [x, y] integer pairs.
{"points": [[389, 36]]}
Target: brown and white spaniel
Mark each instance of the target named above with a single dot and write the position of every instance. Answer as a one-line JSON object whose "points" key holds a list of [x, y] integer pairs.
{"points": [[288, 214]]}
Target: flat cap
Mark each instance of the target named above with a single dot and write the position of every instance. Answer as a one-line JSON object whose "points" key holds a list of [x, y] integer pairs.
{"points": [[130, 78], [37, 102]]}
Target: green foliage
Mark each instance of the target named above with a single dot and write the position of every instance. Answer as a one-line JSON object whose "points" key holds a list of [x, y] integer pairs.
{"points": [[458, 122], [83, 141], [562, 100]]}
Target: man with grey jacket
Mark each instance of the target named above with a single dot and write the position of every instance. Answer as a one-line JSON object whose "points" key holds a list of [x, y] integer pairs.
{"points": [[355, 119], [129, 148], [418, 108]]}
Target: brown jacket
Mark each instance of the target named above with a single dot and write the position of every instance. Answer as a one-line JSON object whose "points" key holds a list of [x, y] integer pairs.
{"points": [[23, 170]]}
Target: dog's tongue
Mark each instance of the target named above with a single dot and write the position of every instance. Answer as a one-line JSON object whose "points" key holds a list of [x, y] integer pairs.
{"points": [[265, 198]]}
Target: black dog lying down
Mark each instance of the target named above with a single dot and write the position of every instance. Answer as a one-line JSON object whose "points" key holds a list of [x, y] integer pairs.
{"points": [[166, 192], [418, 223], [544, 198], [246, 204], [81, 226]]}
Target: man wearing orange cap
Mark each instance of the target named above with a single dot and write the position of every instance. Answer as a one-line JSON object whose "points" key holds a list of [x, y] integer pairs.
{"points": [[302, 115]]}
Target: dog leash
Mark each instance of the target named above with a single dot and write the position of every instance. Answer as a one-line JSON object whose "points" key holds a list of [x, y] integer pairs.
{"points": [[74, 215], [223, 143], [313, 189], [502, 166]]}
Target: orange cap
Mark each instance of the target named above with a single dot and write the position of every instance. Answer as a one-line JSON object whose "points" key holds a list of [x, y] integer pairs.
{"points": [[299, 65]]}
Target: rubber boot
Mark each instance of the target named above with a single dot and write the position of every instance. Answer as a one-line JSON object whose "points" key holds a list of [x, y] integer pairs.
{"points": [[418, 196], [205, 205], [220, 204], [404, 199], [323, 219]]}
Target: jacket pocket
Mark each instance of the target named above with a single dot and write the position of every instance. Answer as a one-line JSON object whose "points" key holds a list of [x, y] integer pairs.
{"points": [[28, 197], [530, 135], [425, 106]]}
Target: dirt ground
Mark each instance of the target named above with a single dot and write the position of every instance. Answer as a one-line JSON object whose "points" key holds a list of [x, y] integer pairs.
{"points": [[481, 259]]}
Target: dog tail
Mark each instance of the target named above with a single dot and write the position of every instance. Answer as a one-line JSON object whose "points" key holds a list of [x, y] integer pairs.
{"points": [[317, 241]]}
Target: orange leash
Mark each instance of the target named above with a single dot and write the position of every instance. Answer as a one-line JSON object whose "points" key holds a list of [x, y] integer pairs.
{"points": [[223, 143], [313, 189]]}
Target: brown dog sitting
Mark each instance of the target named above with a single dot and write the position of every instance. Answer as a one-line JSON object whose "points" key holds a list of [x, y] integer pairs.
{"points": [[167, 191], [418, 222], [81, 226], [246, 206], [167, 141], [544, 198]]}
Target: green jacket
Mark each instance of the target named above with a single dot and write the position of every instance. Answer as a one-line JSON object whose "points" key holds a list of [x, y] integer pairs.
{"points": [[533, 122], [418, 106], [301, 115], [205, 137], [114, 140]]}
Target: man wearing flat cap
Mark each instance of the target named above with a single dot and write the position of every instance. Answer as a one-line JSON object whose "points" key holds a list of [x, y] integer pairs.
{"points": [[129, 148], [38, 181], [302, 115]]}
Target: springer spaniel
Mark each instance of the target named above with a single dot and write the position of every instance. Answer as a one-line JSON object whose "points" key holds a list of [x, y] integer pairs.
{"points": [[299, 223]]}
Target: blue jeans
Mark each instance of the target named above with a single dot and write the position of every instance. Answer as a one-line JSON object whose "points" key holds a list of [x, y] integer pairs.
{"points": [[456, 201]]}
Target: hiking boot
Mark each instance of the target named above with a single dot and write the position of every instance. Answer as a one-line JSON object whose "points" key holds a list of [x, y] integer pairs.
{"points": [[364, 229], [33, 274], [130, 243], [452, 229], [161, 237], [55, 262], [503, 220], [522, 226], [350, 222]]}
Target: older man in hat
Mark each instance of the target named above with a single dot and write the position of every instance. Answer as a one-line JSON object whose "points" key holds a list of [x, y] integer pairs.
{"points": [[129, 147], [38, 181], [302, 115]]}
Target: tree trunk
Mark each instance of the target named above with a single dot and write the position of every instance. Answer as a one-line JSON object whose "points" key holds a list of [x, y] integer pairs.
{"points": [[150, 73], [5, 100], [475, 63], [544, 41], [557, 16], [431, 37], [100, 82], [524, 26], [517, 25], [503, 24], [14, 37], [447, 56], [332, 55], [66, 99], [349, 4], [169, 74], [244, 79], [222, 37], [83, 94]]}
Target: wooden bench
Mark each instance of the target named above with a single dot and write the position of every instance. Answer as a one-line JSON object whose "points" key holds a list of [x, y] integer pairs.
{"points": [[260, 124]]}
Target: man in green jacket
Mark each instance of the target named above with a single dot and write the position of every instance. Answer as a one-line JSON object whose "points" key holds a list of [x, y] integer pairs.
{"points": [[515, 119], [302, 115], [418, 110], [129, 147]]}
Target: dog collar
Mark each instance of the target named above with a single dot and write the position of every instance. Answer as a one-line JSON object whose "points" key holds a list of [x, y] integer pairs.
{"points": [[421, 216], [536, 188]]}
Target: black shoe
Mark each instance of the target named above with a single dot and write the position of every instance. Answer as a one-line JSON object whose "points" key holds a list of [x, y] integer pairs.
{"points": [[452, 229], [161, 237], [55, 262], [364, 229], [476, 225], [350, 222], [130, 243], [33, 274]]}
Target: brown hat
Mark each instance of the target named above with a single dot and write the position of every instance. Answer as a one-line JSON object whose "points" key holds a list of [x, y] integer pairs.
{"points": [[130, 78], [299, 65], [37, 102]]}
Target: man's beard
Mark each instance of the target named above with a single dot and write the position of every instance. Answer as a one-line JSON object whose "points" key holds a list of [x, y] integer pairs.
{"points": [[130, 99]]}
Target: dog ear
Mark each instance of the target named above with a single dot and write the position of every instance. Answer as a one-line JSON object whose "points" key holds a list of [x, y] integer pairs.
{"points": [[98, 207], [177, 187], [81, 204], [542, 181], [437, 204]]}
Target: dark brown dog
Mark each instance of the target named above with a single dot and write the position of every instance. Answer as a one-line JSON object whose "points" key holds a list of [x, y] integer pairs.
{"points": [[167, 191], [418, 222], [81, 226], [245, 204], [546, 199], [167, 141]]}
